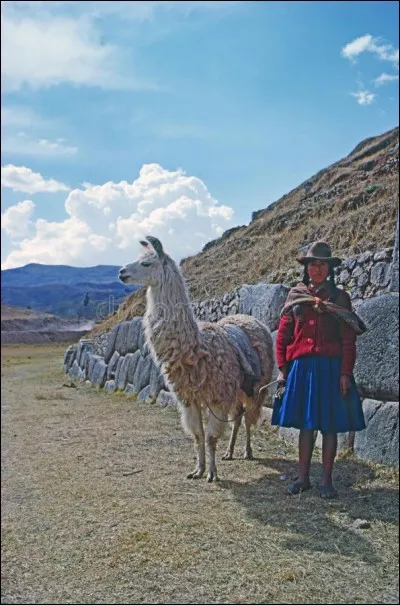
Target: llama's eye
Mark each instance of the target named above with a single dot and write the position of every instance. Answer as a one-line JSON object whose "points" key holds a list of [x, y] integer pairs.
{"points": [[145, 264]]}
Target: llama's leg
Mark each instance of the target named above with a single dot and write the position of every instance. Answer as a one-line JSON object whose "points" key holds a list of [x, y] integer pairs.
{"points": [[248, 452], [193, 425], [251, 417], [235, 428], [215, 430]]}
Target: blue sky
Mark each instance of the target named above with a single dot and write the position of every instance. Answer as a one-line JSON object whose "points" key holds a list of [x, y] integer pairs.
{"points": [[177, 119]]}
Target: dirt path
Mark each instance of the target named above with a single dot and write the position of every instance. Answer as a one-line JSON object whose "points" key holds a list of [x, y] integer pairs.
{"points": [[96, 508]]}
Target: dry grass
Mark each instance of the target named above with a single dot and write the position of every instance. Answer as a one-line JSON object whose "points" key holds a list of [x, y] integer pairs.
{"points": [[52, 396], [355, 218], [96, 508], [270, 252], [134, 305], [9, 312]]}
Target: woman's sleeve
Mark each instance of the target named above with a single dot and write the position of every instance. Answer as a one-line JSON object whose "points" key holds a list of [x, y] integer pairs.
{"points": [[348, 338], [284, 338]]}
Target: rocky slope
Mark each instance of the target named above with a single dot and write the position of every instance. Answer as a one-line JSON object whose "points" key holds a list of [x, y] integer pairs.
{"points": [[352, 204]]}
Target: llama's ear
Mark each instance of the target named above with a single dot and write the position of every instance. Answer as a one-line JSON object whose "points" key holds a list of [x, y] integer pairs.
{"points": [[145, 244], [156, 245]]}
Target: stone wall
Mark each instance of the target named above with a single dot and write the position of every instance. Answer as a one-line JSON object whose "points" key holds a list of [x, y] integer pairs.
{"points": [[214, 309], [263, 301], [394, 270], [121, 363], [366, 275]]}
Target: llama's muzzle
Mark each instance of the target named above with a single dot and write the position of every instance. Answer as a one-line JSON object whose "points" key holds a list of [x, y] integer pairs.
{"points": [[122, 275]]}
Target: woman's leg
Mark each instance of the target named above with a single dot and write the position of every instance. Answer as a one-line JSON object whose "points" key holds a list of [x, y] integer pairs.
{"points": [[306, 445], [329, 449]]}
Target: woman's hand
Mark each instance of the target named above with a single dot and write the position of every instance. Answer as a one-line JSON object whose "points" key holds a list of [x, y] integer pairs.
{"points": [[282, 375], [344, 385]]}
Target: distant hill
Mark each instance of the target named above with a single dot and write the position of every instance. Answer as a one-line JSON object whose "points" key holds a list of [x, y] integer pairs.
{"points": [[20, 325], [36, 274], [20, 318], [9, 313], [63, 290]]}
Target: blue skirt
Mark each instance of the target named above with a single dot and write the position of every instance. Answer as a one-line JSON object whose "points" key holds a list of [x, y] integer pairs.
{"points": [[312, 398]]}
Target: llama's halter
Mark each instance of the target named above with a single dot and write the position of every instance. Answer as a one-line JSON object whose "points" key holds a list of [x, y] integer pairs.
{"points": [[278, 394]]}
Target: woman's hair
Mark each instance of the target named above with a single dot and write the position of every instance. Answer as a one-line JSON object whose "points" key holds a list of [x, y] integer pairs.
{"points": [[306, 277], [331, 276]]}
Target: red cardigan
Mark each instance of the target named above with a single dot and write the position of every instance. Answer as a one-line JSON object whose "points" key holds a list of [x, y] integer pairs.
{"points": [[316, 333]]}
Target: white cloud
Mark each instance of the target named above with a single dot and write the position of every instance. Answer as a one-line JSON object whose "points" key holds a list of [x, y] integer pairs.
{"points": [[21, 117], [32, 3], [25, 145], [52, 50], [385, 79], [363, 97], [26, 133], [359, 45], [56, 242], [106, 221], [20, 178], [48, 43], [139, 10], [367, 43], [15, 221]]}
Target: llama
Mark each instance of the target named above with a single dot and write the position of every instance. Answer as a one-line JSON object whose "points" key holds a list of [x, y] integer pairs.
{"points": [[215, 369]]}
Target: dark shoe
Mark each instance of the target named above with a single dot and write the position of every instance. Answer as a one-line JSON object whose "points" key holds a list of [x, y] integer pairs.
{"points": [[298, 486], [327, 492]]}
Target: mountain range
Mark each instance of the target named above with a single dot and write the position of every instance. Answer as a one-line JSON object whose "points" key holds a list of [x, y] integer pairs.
{"points": [[90, 292]]}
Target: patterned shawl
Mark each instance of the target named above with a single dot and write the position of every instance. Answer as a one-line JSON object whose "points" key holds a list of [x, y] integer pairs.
{"points": [[301, 294]]}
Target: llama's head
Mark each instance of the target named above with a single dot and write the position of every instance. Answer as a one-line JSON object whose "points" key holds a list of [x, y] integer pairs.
{"points": [[147, 270]]}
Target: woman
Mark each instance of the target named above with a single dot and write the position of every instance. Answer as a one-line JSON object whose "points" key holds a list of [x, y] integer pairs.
{"points": [[316, 352]]}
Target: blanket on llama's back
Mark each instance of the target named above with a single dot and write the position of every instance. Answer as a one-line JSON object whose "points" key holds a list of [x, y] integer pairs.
{"points": [[247, 356]]}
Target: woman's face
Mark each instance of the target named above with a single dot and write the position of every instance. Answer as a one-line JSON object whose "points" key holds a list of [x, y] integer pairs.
{"points": [[318, 271]]}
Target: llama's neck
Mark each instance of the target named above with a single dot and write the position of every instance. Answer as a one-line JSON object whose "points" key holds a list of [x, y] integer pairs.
{"points": [[169, 321]]}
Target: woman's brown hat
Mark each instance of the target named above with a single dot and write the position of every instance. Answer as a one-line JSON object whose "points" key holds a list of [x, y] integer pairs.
{"points": [[319, 251]]}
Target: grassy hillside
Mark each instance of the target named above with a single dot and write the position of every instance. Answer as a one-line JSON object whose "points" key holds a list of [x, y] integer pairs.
{"points": [[352, 204]]}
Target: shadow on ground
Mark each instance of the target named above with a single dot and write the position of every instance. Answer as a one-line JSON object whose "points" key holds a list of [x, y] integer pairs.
{"points": [[315, 525]]}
